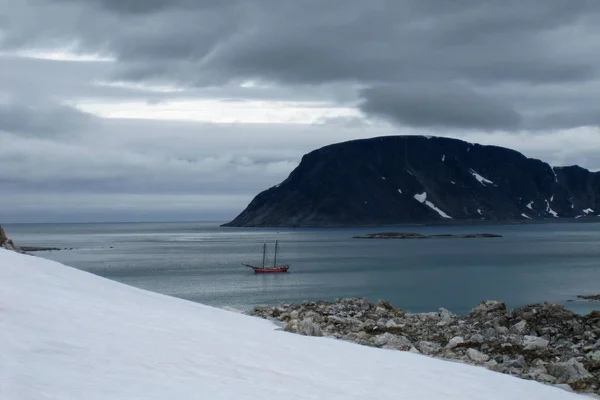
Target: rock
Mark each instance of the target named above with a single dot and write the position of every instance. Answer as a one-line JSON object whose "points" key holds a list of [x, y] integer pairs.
{"points": [[309, 328], [519, 328], [489, 333], [593, 297], [518, 362], [595, 356], [569, 371], [446, 316], [487, 307], [390, 341], [455, 341], [291, 326], [541, 374], [498, 367], [477, 338], [501, 330], [389, 307], [391, 324], [534, 342], [477, 356], [5, 242], [429, 347]]}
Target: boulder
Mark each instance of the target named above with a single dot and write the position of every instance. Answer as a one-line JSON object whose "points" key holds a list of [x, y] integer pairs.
{"points": [[446, 316], [5, 242], [390, 341], [455, 341], [309, 328], [534, 342], [429, 347], [518, 362], [519, 328], [594, 356], [477, 356], [569, 371], [487, 307]]}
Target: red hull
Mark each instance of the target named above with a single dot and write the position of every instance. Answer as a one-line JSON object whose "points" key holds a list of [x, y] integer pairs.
{"points": [[267, 270]]}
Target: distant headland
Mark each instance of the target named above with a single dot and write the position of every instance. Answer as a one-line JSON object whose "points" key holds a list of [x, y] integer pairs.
{"points": [[397, 180]]}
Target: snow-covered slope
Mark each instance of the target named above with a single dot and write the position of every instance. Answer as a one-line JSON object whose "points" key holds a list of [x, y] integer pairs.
{"points": [[67, 334]]}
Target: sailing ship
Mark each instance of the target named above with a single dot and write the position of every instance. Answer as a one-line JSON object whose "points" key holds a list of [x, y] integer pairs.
{"points": [[268, 268]]}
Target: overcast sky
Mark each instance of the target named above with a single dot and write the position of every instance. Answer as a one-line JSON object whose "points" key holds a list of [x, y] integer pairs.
{"points": [[185, 109]]}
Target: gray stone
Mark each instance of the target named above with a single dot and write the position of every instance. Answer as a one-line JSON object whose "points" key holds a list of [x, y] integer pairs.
{"points": [[390, 341], [518, 362], [477, 338], [309, 328], [488, 306], [455, 341], [489, 333], [392, 324], [569, 371], [595, 355], [291, 326], [541, 374], [429, 347], [498, 367], [477, 356], [519, 328], [534, 342], [577, 328], [446, 316], [501, 330]]}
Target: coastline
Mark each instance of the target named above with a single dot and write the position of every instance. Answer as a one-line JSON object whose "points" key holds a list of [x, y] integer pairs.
{"points": [[445, 222]]}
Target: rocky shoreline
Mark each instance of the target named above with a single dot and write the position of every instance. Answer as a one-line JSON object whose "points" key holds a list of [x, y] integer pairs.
{"points": [[593, 297], [9, 244], [543, 342], [404, 235]]}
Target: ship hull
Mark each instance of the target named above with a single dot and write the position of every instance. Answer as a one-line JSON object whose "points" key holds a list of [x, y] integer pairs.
{"points": [[270, 270]]}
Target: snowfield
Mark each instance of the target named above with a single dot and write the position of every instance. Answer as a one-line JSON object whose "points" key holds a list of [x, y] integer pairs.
{"points": [[67, 334]]}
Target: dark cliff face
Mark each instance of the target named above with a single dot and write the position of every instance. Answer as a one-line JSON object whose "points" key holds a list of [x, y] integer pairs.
{"points": [[416, 179]]}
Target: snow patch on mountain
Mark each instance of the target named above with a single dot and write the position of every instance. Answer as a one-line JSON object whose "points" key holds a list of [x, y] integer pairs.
{"points": [[422, 198], [480, 178]]}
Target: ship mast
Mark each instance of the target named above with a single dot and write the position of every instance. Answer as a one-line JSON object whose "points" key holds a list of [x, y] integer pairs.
{"points": [[275, 260], [264, 253]]}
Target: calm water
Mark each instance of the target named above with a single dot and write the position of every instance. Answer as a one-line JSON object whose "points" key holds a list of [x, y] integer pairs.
{"points": [[202, 262]]}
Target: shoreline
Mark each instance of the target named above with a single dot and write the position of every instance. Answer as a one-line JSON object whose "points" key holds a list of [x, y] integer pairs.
{"points": [[465, 222], [543, 342]]}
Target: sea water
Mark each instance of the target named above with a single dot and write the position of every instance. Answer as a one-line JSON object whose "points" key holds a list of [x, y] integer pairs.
{"points": [[203, 262]]}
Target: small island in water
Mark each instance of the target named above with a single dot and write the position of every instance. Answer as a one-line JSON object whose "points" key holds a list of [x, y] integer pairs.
{"points": [[404, 235]]}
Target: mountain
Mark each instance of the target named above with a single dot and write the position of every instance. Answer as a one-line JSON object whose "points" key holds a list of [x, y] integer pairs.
{"points": [[418, 179]]}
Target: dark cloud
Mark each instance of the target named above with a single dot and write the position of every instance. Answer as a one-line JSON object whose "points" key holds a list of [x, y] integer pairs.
{"points": [[438, 106], [588, 116], [146, 6], [212, 44], [45, 120]]}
